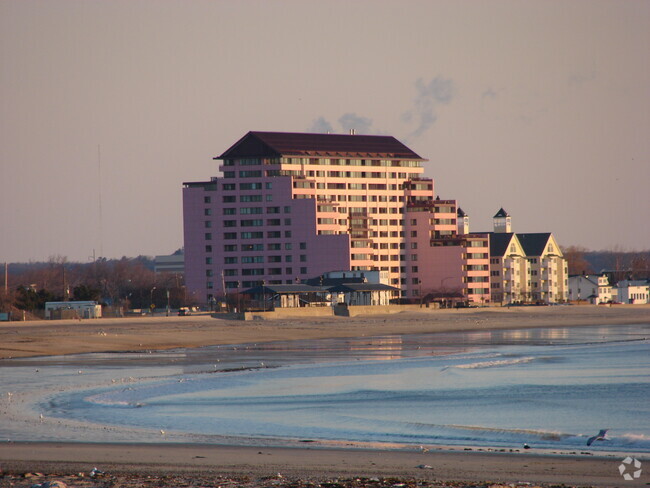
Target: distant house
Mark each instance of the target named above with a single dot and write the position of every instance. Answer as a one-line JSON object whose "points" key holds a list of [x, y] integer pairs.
{"points": [[584, 288], [634, 292]]}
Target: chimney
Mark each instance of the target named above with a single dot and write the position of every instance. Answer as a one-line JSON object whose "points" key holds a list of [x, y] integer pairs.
{"points": [[352, 132]]}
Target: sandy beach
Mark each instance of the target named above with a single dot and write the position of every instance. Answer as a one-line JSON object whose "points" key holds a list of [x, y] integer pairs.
{"points": [[46, 338], [208, 465]]}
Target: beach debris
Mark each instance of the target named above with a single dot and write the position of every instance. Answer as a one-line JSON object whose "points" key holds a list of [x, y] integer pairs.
{"points": [[96, 472], [423, 449], [162, 432], [424, 466], [526, 446], [50, 484], [41, 418], [601, 436]]}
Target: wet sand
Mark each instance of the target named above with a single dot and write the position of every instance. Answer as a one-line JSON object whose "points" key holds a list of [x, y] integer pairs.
{"points": [[200, 465], [47, 338], [176, 465]]}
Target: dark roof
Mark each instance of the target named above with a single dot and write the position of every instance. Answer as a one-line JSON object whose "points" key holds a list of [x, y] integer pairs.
{"points": [[501, 213], [328, 282], [276, 144], [348, 287], [280, 289], [499, 242], [460, 212], [535, 243]]}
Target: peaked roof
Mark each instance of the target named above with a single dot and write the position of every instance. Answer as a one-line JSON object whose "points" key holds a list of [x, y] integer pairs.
{"points": [[460, 212], [499, 242], [501, 213], [277, 144], [535, 243]]}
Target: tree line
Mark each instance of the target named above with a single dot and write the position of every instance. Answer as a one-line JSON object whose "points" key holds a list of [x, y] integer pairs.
{"points": [[117, 284]]}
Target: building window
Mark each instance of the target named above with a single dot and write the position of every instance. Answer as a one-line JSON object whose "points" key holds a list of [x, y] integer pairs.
{"points": [[208, 272], [208, 236], [208, 260], [230, 260], [207, 211], [274, 234], [303, 270], [288, 258], [230, 235], [303, 245], [207, 199], [230, 247], [414, 257], [288, 246], [208, 248]]}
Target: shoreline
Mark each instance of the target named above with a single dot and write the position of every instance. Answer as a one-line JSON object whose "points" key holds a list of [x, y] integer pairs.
{"points": [[287, 464], [253, 465], [51, 338]]}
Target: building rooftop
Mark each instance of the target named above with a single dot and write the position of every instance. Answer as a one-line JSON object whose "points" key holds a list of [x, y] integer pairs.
{"points": [[534, 243], [278, 144], [499, 242], [501, 213]]}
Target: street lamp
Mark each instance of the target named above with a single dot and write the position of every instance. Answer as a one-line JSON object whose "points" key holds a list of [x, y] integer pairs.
{"points": [[264, 295], [152, 306]]}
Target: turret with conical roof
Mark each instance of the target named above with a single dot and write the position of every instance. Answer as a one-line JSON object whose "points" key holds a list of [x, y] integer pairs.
{"points": [[502, 221], [462, 221]]}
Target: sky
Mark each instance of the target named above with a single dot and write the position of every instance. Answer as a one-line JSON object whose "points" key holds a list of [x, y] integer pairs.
{"points": [[541, 107]]}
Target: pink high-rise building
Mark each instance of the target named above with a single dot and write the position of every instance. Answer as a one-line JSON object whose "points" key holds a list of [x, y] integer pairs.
{"points": [[293, 206]]}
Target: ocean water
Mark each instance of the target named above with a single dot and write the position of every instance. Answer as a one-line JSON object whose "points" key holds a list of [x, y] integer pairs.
{"points": [[549, 388]]}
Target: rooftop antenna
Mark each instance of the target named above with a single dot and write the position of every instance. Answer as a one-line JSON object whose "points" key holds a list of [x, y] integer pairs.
{"points": [[99, 171]]}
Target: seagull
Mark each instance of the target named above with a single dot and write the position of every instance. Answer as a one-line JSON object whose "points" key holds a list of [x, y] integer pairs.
{"points": [[162, 432], [601, 436]]}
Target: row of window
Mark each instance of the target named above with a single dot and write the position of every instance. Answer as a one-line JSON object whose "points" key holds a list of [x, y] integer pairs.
{"points": [[271, 234], [258, 259], [323, 162], [251, 222]]}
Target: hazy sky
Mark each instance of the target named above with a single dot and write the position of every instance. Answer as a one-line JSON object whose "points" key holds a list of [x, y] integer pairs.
{"points": [[541, 107]]}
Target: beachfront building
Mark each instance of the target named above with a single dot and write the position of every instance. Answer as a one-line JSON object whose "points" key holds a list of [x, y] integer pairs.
{"points": [[293, 206], [525, 267], [442, 264], [509, 270], [634, 291], [549, 272], [584, 288]]}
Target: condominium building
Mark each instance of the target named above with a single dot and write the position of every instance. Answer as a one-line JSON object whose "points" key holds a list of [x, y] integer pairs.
{"points": [[291, 206], [526, 267]]}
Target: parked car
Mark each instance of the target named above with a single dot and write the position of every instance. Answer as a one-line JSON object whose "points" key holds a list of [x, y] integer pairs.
{"points": [[184, 311]]}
